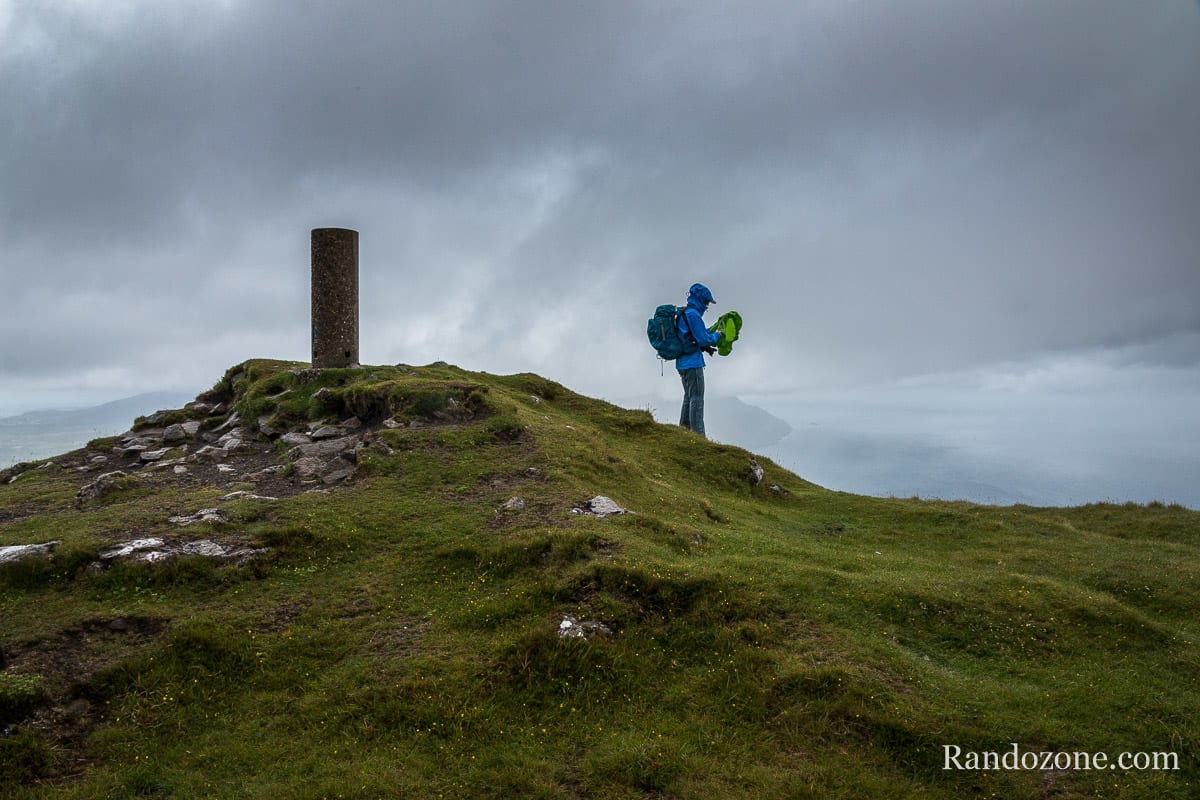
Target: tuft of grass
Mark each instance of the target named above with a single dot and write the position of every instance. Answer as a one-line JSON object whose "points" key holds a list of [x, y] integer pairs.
{"points": [[19, 694], [25, 758]]}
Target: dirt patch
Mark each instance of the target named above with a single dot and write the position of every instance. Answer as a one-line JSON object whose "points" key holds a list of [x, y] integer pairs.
{"points": [[64, 662], [404, 639]]}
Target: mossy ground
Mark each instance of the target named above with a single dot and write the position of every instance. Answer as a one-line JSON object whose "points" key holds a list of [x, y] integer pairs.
{"points": [[401, 640]]}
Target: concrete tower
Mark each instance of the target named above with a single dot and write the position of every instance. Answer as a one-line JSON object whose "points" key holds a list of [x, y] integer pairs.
{"points": [[334, 297]]}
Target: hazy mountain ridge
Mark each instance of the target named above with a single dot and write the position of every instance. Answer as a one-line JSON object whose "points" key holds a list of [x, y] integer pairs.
{"points": [[38, 434]]}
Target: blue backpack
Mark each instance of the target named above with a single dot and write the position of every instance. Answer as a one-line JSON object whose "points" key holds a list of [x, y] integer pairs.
{"points": [[663, 332]]}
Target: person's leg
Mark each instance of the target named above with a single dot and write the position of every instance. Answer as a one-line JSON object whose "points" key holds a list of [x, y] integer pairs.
{"points": [[698, 402], [693, 392], [685, 413]]}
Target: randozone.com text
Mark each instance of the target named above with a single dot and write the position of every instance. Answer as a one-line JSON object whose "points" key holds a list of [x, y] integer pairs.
{"points": [[1016, 759]]}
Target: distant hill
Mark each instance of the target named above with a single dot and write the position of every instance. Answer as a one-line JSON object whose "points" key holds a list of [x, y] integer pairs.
{"points": [[425, 582], [726, 419], [37, 434]]}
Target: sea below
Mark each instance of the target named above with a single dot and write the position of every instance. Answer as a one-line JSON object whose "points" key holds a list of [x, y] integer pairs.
{"points": [[1044, 448]]}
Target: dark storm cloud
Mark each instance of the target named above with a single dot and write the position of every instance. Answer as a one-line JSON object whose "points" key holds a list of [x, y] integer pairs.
{"points": [[898, 187]]}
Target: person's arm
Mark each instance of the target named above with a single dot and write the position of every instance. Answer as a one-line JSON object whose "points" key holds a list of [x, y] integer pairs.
{"points": [[698, 331]]}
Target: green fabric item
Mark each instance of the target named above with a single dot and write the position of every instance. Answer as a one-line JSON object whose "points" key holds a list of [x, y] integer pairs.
{"points": [[729, 325]]}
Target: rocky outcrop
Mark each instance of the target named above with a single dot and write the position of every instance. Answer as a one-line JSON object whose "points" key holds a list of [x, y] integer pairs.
{"points": [[598, 507], [104, 485], [207, 442], [154, 549], [244, 495], [328, 448], [573, 628], [16, 552], [176, 434], [203, 515]]}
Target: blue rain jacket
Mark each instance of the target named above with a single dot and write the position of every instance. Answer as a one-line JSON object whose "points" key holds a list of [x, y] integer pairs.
{"points": [[691, 321]]}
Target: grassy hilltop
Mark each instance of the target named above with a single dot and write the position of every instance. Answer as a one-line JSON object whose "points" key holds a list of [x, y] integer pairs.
{"points": [[397, 634]]}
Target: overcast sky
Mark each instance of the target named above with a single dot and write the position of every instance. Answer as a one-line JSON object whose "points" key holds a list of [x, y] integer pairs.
{"points": [[884, 190]]}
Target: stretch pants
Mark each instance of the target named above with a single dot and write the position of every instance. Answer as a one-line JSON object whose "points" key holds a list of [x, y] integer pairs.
{"points": [[691, 416]]}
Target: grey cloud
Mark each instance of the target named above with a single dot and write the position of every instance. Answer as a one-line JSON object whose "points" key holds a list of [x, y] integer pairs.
{"points": [[883, 188]]}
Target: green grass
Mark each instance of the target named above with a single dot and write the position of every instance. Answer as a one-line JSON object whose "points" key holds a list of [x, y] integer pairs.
{"points": [[401, 639]]}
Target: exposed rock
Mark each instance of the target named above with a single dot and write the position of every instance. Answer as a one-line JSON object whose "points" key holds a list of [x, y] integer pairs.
{"points": [[777, 489], [179, 469], [328, 432], [208, 453], [235, 440], [161, 465], [227, 424], [352, 424], [226, 469], [263, 474], [135, 444], [197, 407], [126, 549], [203, 515], [174, 434], [572, 628], [264, 426], [599, 507], [244, 495], [99, 460], [755, 473], [308, 468], [105, 484], [392, 424], [295, 439], [191, 427], [325, 449], [322, 395], [11, 474], [376, 444], [337, 475], [16, 552], [513, 504], [157, 417], [153, 455], [154, 550]]}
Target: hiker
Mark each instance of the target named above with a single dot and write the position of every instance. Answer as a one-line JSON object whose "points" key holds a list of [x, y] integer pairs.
{"points": [[691, 365]]}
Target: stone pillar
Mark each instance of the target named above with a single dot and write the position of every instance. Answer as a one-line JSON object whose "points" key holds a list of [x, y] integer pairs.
{"points": [[334, 297]]}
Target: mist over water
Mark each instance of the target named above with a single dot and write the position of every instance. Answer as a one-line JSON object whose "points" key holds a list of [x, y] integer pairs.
{"points": [[1130, 440]]}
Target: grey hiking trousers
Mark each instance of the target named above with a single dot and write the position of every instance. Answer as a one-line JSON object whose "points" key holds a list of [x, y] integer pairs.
{"points": [[691, 416]]}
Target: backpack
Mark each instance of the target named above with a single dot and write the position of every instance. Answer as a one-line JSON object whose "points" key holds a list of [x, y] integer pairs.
{"points": [[663, 332]]}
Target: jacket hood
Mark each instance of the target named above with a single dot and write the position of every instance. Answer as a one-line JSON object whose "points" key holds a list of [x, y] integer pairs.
{"points": [[699, 296]]}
